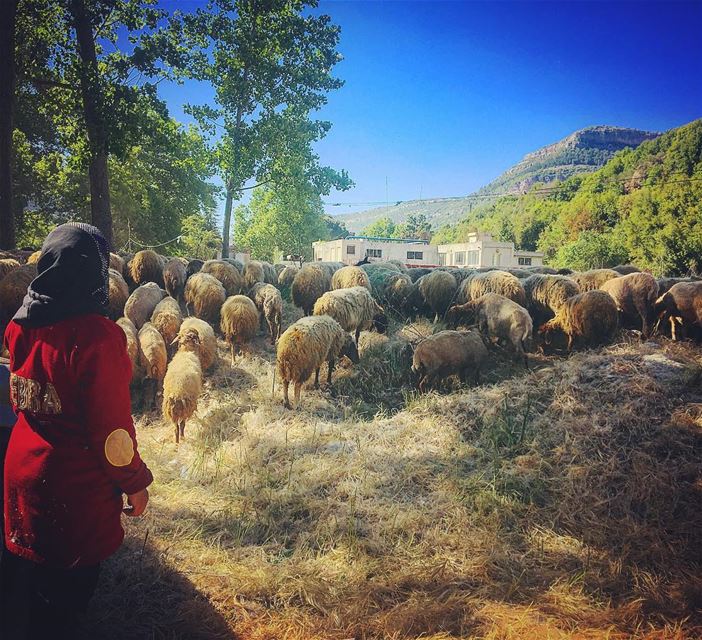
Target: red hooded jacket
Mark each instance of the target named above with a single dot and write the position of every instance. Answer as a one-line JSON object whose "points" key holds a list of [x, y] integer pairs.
{"points": [[73, 450]]}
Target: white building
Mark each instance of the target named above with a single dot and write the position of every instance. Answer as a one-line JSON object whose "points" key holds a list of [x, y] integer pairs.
{"points": [[413, 253], [482, 251]]}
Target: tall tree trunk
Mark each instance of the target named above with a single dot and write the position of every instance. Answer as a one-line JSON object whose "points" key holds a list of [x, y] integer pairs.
{"points": [[100, 212], [227, 220], [7, 100]]}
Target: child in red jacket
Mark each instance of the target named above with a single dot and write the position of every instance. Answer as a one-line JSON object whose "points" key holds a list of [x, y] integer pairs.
{"points": [[73, 451]]}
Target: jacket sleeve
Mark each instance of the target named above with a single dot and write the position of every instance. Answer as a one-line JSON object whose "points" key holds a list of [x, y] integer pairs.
{"points": [[104, 372]]}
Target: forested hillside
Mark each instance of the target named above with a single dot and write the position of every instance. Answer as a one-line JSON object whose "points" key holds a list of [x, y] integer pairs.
{"points": [[644, 206], [581, 152]]}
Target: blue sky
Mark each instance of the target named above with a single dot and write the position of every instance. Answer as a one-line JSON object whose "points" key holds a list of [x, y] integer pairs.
{"points": [[441, 97]]}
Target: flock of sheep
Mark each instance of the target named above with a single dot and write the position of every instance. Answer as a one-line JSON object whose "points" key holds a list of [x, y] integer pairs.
{"points": [[171, 308]]}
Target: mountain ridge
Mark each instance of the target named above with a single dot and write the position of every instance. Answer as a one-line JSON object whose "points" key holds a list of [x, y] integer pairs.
{"points": [[582, 151]]}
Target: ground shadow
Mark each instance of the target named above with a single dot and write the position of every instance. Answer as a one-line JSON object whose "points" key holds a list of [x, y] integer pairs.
{"points": [[139, 596]]}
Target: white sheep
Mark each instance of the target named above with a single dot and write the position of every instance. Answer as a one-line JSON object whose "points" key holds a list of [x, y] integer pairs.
{"points": [[239, 322], [154, 359], [354, 309], [182, 386], [205, 347]]}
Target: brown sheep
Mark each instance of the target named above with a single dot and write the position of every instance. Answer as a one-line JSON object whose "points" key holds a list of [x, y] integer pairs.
{"points": [[239, 322], [447, 353], [439, 289], [154, 360], [494, 281], [546, 294], [269, 303], [253, 273], [498, 319], [590, 318], [635, 296], [626, 269], [681, 306], [174, 277], [13, 288], [118, 293], [141, 304], [7, 265], [593, 279], [350, 276], [182, 386], [199, 337], [308, 285], [167, 319], [204, 297], [227, 274], [146, 266], [117, 263]]}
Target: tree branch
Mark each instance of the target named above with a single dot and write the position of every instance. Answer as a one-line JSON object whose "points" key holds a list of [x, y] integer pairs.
{"points": [[47, 82]]}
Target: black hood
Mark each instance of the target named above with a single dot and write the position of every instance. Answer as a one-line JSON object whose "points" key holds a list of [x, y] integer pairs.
{"points": [[73, 277]]}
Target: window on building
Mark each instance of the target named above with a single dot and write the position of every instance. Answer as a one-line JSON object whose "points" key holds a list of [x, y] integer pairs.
{"points": [[374, 253], [525, 262], [351, 250], [442, 259], [473, 257], [459, 257], [415, 255]]}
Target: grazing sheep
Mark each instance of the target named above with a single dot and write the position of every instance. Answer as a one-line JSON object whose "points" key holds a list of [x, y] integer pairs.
{"points": [[34, 257], [198, 336], [7, 265], [174, 277], [253, 273], [279, 266], [227, 274], [132, 334], [590, 317], [182, 387], [118, 293], [239, 322], [305, 345], [593, 279], [204, 297], [269, 303], [415, 273], [461, 274], [681, 305], [370, 267], [388, 284], [399, 264], [127, 272], [447, 353], [546, 294], [499, 319], [153, 358], [543, 270], [635, 296], [354, 309], [270, 275], [193, 267], [626, 269], [350, 276], [494, 281], [117, 263], [414, 305], [308, 285], [147, 266], [13, 288], [167, 318], [665, 284], [141, 304], [439, 290], [287, 275], [519, 273]]}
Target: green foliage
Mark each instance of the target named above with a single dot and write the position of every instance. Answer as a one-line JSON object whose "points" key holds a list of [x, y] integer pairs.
{"points": [[199, 237], [644, 206], [335, 228], [280, 222], [416, 226], [381, 228]]}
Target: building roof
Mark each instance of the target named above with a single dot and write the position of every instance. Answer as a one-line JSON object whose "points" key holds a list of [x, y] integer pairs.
{"points": [[380, 239]]}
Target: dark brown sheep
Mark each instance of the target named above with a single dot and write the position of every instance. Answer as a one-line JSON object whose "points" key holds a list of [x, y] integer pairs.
{"points": [[635, 296], [681, 306]]}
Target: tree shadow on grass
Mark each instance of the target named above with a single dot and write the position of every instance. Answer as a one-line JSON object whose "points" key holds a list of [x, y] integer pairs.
{"points": [[139, 596]]}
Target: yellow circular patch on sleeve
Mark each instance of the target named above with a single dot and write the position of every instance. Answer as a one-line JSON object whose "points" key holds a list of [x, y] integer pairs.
{"points": [[119, 449]]}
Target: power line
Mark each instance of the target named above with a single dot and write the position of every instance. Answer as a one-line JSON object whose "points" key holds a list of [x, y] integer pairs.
{"points": [[491, 196]]}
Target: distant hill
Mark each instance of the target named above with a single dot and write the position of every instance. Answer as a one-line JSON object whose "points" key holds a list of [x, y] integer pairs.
{"points": [[584, 151], [643, 206]]}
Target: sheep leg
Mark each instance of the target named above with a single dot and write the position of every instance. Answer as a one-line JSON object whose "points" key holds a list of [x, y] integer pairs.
{"points": [[570, 342], [316, 378], [233, 352], [286, 399], [358, 333], [298, 387], [182, 429], [330, 369], [477, 375], [436, 317], [177, 433]]}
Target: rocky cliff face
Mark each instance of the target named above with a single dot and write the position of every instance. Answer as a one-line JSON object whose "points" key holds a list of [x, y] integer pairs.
{"points": [[583, 151]]}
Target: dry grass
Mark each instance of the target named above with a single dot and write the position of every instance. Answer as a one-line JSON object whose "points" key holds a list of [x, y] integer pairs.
{"points": [[562, 502]]}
